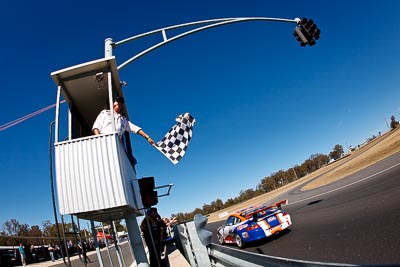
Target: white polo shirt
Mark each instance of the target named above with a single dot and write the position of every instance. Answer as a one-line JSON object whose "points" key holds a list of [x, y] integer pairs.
{"points": [[104, 124]]}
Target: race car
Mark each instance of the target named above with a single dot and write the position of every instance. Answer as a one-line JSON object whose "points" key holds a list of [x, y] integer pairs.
{"points": [[253, 223]]}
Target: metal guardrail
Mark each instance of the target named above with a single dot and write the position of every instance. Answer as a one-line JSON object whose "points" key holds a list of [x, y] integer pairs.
{"points": [[226, 256]]}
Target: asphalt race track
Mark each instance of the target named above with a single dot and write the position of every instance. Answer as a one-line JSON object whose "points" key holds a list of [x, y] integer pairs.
{"points": [[355, 220]]}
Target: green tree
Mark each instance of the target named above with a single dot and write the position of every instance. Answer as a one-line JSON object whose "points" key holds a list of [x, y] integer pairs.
{"points": [[119, 226], [393, 122], [3, 238], [50, 229], [11, 227], [35, 232], [309, 166], [337, 152], [180, 217], [319, 160], [219, 204], [267, 184], [14, 231], [207, 209], [229, 202]]}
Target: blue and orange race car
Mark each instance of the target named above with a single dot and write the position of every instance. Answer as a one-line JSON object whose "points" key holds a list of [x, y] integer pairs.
{"points": [[253, 223]]}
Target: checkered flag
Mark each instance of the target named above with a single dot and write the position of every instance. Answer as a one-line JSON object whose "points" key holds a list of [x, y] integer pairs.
{"points": [[176, 141]]}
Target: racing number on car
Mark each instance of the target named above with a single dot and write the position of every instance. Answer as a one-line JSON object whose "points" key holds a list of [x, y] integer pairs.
{"points": [[271, 219]]}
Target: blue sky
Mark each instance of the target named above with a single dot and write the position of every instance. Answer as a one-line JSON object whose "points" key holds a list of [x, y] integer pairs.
{"points": [[262, 102]]}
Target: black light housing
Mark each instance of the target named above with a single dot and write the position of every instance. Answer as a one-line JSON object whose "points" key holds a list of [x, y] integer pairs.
{"points": [[306, 32], [149, 196]]}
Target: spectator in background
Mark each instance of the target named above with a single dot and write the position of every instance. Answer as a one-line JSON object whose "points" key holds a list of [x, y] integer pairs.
{"points": [[83, 247], [51, 251], [57, 252], [70, 245], [22, 253], [33, 253], [169, 224]]}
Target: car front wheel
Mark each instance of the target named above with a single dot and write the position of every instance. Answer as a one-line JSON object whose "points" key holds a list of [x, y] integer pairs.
{"points": [[239, 241]]}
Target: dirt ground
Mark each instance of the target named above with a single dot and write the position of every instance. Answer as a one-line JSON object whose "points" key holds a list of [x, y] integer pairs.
{"points": [[375, 150]]}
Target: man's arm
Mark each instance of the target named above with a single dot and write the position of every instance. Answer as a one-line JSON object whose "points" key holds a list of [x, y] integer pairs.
{"points": [[98, 123], [146, 136]]}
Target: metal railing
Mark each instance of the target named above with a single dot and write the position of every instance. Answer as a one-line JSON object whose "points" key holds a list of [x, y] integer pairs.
{"points": [[226, 256]]}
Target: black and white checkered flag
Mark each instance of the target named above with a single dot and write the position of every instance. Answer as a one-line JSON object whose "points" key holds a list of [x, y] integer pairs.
{"points": [[176, 141]]}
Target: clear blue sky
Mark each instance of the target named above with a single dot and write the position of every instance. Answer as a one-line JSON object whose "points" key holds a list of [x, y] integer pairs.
{"points": [[262, 102]]}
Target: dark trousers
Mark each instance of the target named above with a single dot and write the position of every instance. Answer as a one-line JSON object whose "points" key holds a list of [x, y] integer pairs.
{"points": [[155, 256]]}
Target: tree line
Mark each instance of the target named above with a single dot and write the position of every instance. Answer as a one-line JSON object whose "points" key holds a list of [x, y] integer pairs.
{"points": [[12, 232]]}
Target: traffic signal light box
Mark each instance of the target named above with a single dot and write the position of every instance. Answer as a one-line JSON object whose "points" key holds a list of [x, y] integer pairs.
{"points": [[147, 192], [306, 32]]}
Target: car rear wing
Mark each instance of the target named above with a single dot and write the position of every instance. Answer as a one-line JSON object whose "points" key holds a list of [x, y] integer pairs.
{"points": [[261, 210], [279, 204]]}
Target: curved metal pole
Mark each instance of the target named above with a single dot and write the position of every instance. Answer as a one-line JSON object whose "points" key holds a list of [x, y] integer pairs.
{"points": [[53, 198], [214, 23]]}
